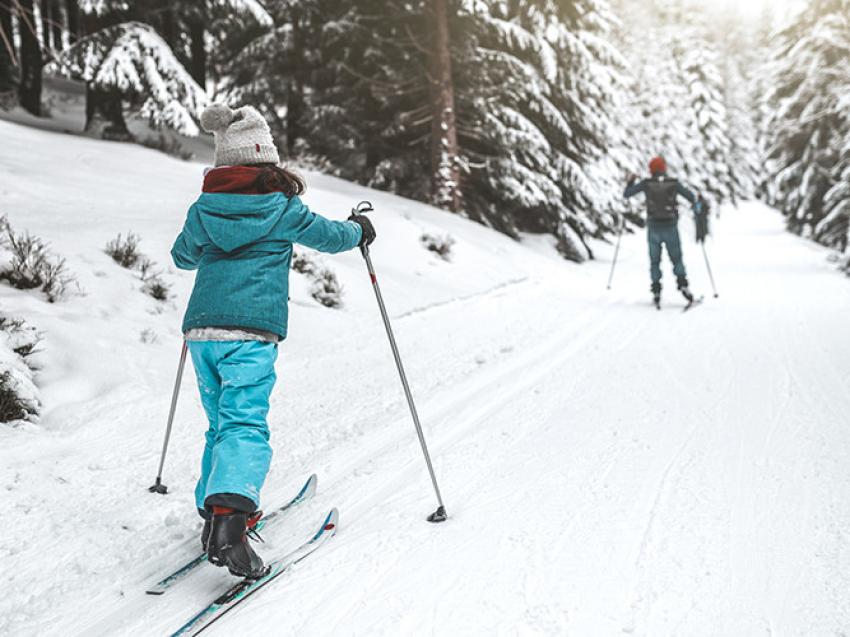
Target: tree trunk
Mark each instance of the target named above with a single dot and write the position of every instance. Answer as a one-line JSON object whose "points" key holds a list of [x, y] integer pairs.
{"points": [[29, 91], [8, 58], [295, 92], [72, 9], [198, 50], [445, 169], [51, 24], [169, 30], [58, 25], [104, 114]]}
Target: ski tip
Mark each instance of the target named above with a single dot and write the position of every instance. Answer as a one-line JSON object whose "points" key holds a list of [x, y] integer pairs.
{"points": [[309, 489], [331, 522]]}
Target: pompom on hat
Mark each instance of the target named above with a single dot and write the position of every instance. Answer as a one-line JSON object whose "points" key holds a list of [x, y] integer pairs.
{"points": [[242, 135], [657, 165]]}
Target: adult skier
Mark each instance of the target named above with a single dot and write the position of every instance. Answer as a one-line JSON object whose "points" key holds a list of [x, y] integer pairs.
{"points": [[238, 235], [662, 212]]}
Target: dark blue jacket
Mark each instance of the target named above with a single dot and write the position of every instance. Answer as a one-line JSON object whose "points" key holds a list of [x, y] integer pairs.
{"points": [[661, 192]]}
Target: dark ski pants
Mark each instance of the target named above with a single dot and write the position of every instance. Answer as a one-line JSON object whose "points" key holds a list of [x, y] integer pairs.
{"points": [[669, 236]]}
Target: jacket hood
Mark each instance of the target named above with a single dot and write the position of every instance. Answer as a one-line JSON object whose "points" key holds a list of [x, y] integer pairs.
{"points": [[233, 221]]}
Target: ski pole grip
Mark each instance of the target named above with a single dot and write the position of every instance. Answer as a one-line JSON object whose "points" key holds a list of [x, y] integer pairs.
{"points": [[362, 208]]}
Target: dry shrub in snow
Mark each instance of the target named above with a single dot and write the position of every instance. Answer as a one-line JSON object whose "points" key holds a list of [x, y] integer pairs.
{"points": [[440, 245], [125, 252], [31, 265], [326, 288]]}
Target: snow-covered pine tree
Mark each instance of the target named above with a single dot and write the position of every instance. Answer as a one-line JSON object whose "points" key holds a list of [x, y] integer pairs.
{"points": [[709, 169], [681, 96], [808, 125], [743, 52], [192, 26], [539, 89], [131, 61], [534, 90], [278, 66]]}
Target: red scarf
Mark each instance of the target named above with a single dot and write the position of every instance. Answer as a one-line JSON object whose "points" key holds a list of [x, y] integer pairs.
{"points": [[237, 180]]}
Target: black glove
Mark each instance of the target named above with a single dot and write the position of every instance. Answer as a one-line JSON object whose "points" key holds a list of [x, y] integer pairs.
{"points": [[631, 181], [367, 228]]}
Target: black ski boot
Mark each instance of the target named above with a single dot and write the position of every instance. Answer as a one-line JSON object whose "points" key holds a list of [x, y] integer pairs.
{"points": [[253, 519], [205, 532], [656, 294], [228, 545], [682, 283]]}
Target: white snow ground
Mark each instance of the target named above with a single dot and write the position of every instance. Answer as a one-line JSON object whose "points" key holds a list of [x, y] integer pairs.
{"points": [[607, 468]]}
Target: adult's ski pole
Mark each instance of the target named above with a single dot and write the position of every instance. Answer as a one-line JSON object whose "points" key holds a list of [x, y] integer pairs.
{"points": [[616, 250], [157, 486], [709, 269], [440, 514]]}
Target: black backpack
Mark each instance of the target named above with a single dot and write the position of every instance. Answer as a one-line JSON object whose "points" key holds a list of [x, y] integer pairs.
{"points": [[661, 193]]}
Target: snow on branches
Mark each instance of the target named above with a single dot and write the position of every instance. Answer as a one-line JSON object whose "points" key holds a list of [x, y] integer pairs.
{"points": [[133, 60], [808, 157]]}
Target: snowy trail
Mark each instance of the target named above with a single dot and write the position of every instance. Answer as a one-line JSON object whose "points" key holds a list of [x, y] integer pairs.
{"points": [[668, 486], [649, 496], [607, 468]]}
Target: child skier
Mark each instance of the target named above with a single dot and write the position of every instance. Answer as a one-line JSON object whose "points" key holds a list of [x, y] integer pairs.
{"points": [[662, 223], [238, 235]]}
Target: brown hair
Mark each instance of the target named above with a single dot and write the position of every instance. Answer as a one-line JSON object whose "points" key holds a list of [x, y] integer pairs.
{"points": [[274, 178]]}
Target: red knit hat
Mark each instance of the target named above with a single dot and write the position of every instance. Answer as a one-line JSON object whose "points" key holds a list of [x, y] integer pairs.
{"points": [[657, 165]]}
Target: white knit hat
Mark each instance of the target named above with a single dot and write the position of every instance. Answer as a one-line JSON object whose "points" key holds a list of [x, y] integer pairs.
{"points": [[242, 136]]}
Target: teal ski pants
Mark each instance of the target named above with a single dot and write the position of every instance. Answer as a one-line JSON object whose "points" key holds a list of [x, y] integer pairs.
{"points": [[658, 237], [235, 379]]}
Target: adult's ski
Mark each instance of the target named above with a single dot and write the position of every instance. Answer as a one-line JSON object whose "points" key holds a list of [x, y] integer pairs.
{"points": [[240, 591], [693, 303], [307, 492]]}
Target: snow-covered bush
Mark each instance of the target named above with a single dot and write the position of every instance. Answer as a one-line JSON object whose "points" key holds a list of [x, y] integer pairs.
{"points": [[440, 245], [18, 394], [125, 252], [325, 288], [31, 265]]}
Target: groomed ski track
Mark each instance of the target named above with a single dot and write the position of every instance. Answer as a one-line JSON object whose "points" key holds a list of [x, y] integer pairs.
{"points": [[607, 468]]}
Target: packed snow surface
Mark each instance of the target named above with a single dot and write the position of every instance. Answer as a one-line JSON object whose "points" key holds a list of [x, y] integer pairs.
{"points": [[607, 468]]}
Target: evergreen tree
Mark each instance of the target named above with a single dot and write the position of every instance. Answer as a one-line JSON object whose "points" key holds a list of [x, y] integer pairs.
{"points": [[808, 122], [685, 99], [529, 85], [539, 87], [130, 61]]}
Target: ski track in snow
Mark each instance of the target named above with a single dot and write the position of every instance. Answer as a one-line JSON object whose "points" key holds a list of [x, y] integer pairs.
{"points": [[608, 469]]}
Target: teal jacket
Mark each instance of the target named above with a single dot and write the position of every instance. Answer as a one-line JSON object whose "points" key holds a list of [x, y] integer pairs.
{"points": [[241, 246]]}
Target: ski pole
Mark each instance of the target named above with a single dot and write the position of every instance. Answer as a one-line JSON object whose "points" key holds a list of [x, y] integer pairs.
{"points": [[709, 269], [157, 486], [616, 251], [440, 514]]}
